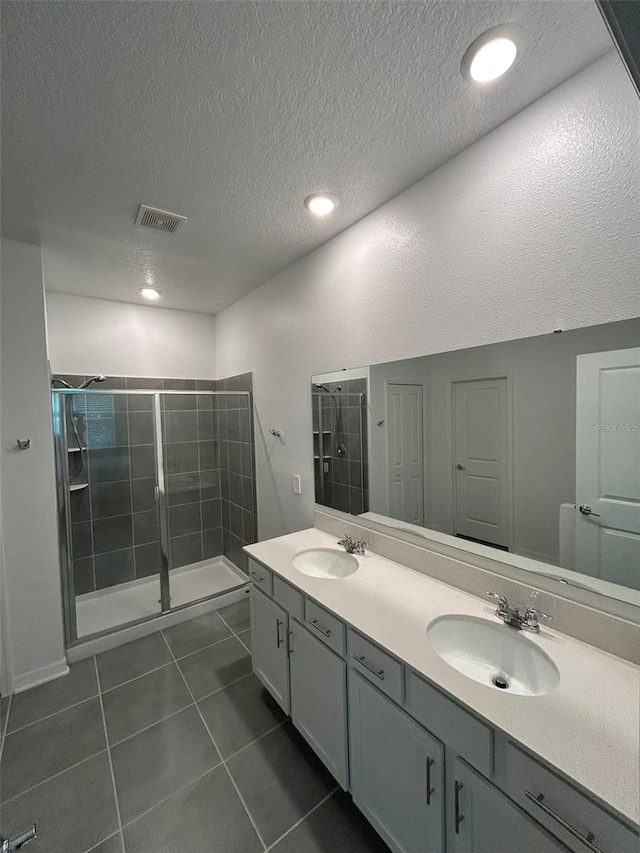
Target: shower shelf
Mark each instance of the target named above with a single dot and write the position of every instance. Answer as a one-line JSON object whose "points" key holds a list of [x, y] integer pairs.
{"points": [[75, 449], [77, 486], [324, 432], [324, 457]]}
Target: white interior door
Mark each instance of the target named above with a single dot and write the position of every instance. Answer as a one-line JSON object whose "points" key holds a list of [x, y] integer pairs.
{"points": [[405, 453], [481, 456], [608, 466]]}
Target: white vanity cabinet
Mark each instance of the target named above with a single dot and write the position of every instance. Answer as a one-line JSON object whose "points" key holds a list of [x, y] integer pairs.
{"points": [[269, 650], [485, 821], [397, 771], [319, 699], [429, 774]]}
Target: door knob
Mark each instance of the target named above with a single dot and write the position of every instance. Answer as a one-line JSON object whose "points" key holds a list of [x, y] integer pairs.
{"points": [[586, 510], [460, 467]]}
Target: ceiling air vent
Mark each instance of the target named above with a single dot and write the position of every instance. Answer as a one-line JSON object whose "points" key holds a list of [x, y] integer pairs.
{"points": [[161, 220]]}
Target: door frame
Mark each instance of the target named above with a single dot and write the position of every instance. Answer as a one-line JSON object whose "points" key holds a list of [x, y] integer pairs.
{"points": [[425, 440], [450, 446]]}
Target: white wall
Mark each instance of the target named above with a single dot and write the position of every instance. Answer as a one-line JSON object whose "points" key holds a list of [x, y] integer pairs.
{"points": [[534, 227], [32, 609], [120, 339]]}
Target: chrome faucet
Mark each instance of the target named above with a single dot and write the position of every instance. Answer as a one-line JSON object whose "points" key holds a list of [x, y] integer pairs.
{"points": [[350, 546], [515, 618]]}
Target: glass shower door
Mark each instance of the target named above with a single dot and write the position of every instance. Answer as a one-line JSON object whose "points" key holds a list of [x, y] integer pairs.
{"points": [[108, 487], [191, 516]]}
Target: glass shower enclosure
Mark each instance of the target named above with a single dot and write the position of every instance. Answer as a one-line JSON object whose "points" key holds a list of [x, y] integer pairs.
{"points": [[144, 480]]}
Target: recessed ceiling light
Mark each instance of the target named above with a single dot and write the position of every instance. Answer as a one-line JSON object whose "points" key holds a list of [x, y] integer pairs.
{"points": [[321, 204], [491, 55], [150, 293]]}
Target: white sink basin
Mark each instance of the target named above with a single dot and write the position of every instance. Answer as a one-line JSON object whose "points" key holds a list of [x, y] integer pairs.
{"points": [[325, 563], [495, 655]]}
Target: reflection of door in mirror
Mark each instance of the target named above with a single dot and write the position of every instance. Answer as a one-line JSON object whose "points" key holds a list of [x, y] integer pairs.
{"points": [[405, 444], [481, 454], [608, 466]]}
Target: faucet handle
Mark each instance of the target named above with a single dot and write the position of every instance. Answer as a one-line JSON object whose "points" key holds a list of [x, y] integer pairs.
{"points": [[531, 611], [501, 599], [531, 617]]}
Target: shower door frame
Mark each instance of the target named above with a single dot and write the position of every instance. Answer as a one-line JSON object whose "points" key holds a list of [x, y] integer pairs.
{"points": [[60, 435], [320, 395]]}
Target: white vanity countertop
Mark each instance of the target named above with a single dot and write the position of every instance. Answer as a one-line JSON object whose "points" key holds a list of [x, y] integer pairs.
{"points": [[588, 728]]}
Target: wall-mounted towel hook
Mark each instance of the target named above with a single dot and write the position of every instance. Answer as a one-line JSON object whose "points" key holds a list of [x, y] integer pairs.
{"points": [[276, 432], [24, 443]]}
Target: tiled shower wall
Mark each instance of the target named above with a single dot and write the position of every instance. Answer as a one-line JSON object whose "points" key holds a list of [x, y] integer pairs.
{"points": [[209, 466], [346, 485]]}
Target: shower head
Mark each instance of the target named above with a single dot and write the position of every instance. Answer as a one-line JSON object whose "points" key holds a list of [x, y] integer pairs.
{"points": [[54, 380], [328, 390], [88, 382]]}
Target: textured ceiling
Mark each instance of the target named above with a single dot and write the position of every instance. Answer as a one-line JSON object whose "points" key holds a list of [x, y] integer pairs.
{"points": [[231, 113]]}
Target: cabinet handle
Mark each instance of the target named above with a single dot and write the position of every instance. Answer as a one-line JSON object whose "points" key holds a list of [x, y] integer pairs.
{"points": [[278, 637], [585, 839], [256, 577], [458, 816], [314, 623], [379, 673], [430, 790], [289, 643]]}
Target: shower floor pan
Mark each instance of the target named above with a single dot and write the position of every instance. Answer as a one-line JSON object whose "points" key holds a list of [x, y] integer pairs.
{"points": [[116, 606]]}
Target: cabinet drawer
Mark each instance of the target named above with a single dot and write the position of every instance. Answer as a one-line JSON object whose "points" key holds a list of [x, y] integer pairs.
{"points": [[287, 596], [460, 730], [566, 812], [262, 577], [325, 626], [378, 666]]}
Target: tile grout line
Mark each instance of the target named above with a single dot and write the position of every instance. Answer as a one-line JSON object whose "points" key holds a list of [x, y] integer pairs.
{"points": [[236, 634], [253, 742], [197, 651], [49, 716], [166, 799], [3, 734], [220, 689], [54, 776], [135, 678], [108, 838], [106, 735], [224, 763], [151, 725], [303, 818]]}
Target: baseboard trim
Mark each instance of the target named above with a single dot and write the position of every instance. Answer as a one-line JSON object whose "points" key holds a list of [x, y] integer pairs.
{"points": [[39, 676]]}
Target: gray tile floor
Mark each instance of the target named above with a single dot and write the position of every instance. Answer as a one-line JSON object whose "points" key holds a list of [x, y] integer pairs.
{"points": [[165, 745]]}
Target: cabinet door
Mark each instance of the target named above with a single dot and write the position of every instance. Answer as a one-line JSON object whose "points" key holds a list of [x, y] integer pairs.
{"points": [[397, 771], [319, 699], [483, 820], [269, 647]]}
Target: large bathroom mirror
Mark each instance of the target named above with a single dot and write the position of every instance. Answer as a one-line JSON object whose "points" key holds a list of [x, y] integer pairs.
{"points": [[528, 450]]}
